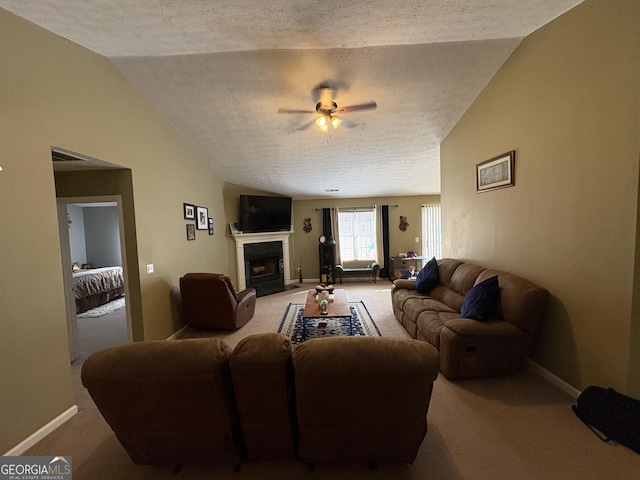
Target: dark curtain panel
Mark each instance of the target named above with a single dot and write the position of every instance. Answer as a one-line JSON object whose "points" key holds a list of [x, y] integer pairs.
{"points": [[384, 269], [326, 223]]}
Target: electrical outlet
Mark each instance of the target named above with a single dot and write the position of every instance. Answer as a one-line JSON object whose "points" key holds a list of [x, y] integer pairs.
{"points": [[150, 269], [417, 239]]}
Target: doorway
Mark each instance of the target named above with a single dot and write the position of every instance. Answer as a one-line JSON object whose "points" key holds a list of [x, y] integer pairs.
{"points": [[92, 252], [80, 179]]}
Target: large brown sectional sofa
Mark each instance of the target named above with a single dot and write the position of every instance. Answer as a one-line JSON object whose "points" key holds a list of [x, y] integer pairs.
{"points": [[353, 399], [470, 347]]}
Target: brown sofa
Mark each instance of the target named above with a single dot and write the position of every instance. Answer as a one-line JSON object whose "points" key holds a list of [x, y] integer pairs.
{"points": [[468, 347], [352, 399]]}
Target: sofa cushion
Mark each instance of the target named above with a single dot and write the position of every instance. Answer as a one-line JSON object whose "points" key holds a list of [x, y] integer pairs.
{"points": [[481, 301], [429, 324], [428, 277]]}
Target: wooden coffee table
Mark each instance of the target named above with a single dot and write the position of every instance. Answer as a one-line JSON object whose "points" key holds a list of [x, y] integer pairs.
{"points": [[339, 307]]}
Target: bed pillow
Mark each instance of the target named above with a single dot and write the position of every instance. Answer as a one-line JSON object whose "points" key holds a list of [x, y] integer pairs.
{"points": [[429, 277], [75, 267], [481, 302]]}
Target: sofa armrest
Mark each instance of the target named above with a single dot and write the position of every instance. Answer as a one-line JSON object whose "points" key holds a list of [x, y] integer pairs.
{"points": [[405, 283], [476, 328], [246, 306], [246, 294], [473, 349]]}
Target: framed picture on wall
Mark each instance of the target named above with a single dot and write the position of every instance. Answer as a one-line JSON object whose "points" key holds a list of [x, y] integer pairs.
{"points": [[497, 172], [202, 213], [210, 226], [191, 231], [189, 211]]}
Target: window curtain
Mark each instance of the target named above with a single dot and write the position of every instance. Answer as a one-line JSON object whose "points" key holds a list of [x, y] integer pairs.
{"points": [[379, 235], [336, 233], [330, 229], [384, 233], [326, 223]]}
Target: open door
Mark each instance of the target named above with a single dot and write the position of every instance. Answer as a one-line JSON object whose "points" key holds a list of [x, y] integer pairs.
{"points": [[66, 258]]}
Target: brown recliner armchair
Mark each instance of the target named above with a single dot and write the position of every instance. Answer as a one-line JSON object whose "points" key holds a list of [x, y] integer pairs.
{"points": [[209, 300]]}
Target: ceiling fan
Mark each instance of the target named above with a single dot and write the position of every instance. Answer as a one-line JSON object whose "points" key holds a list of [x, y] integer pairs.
{"points": [[328, 110]]}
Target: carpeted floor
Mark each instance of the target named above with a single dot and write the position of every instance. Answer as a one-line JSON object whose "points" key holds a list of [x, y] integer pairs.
{"points": [[96, 332], [514, 427]]}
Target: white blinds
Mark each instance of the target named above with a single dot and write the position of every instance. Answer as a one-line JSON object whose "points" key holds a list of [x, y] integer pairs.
{"points": [[431, 238]]}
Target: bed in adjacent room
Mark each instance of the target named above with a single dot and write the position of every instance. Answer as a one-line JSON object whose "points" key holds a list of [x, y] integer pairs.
{"points": [[97, 286]]}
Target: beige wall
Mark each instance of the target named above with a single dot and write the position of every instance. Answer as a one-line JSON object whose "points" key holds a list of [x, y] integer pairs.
{"points": [[567, 102], [305, 245], [54, 93]]}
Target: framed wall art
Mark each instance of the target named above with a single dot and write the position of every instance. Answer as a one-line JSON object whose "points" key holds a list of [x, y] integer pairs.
{"points": [[191, 231], [497, 172], [210, 226], [189, 211], [202, 213]]}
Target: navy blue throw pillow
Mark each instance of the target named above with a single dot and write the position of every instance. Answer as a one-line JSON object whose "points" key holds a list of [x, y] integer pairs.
{"points": [[429, 277], [481, 302]]}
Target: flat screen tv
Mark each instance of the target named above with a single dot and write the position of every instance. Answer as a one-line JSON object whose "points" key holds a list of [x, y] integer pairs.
{"points": [[258, 213]]}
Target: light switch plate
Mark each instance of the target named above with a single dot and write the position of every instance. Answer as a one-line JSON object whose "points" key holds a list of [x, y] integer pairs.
{"points": [[150, 269]]}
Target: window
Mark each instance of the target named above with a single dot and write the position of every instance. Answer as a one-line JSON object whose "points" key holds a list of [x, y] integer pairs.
{"points": [[431, 238], [357, 234]]}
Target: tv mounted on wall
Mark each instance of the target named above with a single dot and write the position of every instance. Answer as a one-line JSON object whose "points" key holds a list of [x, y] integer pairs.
{"points": [[258, 213]]}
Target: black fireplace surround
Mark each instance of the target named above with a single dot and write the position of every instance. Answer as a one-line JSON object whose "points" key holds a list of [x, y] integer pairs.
{"points": [[264, 267]]}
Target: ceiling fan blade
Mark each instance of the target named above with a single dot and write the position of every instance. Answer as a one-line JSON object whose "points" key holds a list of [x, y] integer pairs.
{"points": [[355, 108], [286, 110], [306, 125]]}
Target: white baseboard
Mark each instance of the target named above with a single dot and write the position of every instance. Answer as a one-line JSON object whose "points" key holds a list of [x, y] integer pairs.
{"points": [[34, 438], [554, 380]]}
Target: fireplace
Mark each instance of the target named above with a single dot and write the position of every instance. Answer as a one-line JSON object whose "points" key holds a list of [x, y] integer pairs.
{"points": [[246, 242], [264, 267]]}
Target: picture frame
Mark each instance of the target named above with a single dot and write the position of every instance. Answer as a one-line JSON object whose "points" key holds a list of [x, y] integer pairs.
{"points": [[202, 213], [495, 173], [189, 211], [191, 231], [210, 223]]}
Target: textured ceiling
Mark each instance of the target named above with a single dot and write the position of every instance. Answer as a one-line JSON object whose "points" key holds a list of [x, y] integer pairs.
{"points": [[219, 71]]}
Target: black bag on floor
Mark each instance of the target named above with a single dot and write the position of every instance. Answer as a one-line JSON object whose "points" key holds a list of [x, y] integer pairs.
{"points": [[613, 414]]}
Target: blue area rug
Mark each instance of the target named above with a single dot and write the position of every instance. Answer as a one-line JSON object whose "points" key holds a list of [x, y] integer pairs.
{"points": [[362, 324]]}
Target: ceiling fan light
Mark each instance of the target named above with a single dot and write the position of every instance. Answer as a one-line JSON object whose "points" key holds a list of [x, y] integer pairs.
{"points": [[335, 122], [323, 123]]}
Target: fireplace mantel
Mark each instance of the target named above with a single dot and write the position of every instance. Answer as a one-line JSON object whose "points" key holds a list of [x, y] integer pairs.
{"points": [[243, 238]]}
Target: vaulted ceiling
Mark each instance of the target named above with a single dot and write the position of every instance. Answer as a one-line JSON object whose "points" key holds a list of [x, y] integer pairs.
{"points": [[220, 70]]}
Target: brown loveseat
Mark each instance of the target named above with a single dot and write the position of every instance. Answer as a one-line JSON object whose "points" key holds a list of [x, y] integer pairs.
{"points": [[354, 399], [470, 347]]}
